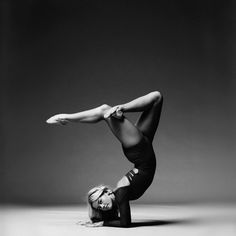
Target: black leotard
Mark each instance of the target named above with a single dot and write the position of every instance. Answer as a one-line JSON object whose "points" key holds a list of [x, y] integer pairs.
{"points": [[143, 157]]}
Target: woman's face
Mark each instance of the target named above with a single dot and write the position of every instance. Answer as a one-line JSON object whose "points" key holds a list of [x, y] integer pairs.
{"points": [[104, 202]]}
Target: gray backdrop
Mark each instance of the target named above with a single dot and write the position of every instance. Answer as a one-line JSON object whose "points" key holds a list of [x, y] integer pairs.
{"points": [[67, 56]]}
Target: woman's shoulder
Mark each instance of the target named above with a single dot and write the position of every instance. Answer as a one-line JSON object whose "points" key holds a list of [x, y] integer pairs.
{"points": [[121, 194]]}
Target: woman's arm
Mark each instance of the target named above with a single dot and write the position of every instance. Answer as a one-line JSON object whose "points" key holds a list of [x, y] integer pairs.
{"points": [[123, 221], [125, 217], [124, 209]]}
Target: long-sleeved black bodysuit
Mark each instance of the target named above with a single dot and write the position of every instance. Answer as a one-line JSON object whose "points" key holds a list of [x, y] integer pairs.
{"points": [[143, 157]]}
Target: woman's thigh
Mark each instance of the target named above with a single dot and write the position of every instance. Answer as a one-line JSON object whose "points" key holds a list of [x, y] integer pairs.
{"points": [[125, 131]]}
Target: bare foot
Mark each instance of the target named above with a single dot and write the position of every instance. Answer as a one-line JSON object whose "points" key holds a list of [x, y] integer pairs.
{"points": [[60, 119]]}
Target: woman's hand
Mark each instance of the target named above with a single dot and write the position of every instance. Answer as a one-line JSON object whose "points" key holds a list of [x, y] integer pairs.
{"points": [[90, 224], [116, 111], [60, 119]]}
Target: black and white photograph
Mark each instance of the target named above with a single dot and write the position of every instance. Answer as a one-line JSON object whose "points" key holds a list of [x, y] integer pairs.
{"points": [[118, 118]]}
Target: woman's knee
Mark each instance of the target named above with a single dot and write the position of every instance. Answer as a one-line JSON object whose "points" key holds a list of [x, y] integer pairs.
{"points": [[157, 97]]}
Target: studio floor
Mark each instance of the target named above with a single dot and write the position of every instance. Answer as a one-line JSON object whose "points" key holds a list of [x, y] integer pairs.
{"points": [[161, 220]]}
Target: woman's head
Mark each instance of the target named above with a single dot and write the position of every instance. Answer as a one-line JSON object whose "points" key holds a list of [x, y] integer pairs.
{"points": [[101, 198], [101, 202]]}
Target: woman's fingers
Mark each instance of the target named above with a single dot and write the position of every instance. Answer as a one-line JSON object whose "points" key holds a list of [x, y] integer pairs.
{"points": [[115, 111], [97, 224], [110, 112], [90, 224]]}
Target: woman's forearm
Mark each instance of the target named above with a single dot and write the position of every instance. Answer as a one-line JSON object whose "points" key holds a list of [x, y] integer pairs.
{"points": [[117, 223], [142, 103]]}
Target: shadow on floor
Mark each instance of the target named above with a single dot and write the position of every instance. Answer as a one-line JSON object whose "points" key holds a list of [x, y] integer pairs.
{"points": [[161, 222]]}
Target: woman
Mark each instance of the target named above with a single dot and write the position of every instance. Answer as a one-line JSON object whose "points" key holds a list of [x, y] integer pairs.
{"points": [[111, 207]]}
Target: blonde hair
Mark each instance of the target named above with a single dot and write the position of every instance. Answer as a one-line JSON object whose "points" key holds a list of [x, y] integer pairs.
{"points": [[96, 192], [96, 215]]}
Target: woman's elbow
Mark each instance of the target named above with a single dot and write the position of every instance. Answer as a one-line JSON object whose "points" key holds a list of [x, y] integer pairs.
{"points": [[125, 225]]}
